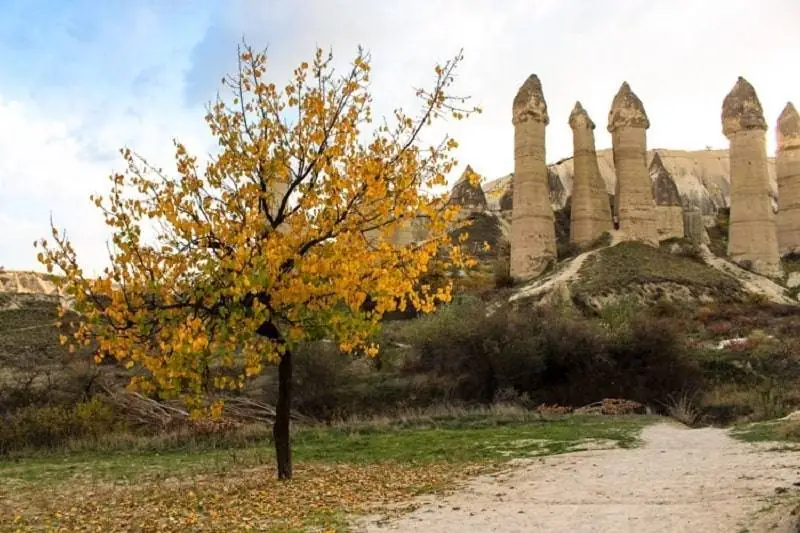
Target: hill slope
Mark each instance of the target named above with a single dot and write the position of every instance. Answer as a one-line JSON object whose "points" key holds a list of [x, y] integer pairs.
{"points": [[677, 271]]}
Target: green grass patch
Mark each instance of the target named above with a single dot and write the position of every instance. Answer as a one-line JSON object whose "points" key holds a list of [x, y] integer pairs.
{"points": [[340, 471], [786, 431], [476, 440]]}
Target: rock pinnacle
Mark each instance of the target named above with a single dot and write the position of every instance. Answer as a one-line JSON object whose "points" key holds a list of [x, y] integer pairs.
{"points": [[788, 127], [627, 110], [741, 109], [529, 103], [579, 118]]}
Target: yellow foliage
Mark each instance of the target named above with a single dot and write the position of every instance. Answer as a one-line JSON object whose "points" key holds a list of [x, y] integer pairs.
{"points": [[282, 237]]}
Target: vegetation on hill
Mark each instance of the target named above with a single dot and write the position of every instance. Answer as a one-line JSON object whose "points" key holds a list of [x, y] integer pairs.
{"points": [[630, 267]]}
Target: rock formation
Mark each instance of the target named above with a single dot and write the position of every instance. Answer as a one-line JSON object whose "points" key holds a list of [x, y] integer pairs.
{"points": [[590, 214], [466, 195], [533, 241], [669, 212], [634, 205], [752, 236], [787, 162], [694, 227], [702, 177]]}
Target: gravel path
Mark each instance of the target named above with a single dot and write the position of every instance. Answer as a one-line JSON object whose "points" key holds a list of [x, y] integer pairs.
{"points": [[678, 480]]}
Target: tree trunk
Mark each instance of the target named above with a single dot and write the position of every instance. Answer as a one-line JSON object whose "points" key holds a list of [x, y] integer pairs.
{"points": [[280, 429]]}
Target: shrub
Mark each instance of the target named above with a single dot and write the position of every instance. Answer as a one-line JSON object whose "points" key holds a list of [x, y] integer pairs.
{"points": [[501, 268], [551, 356], [682, 408], [566, 250], [455, 342], [325, 381], [52, 426]]}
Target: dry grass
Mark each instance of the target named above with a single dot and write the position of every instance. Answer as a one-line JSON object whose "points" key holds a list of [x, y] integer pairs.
{"points": [[682, 407], [247, 499]]}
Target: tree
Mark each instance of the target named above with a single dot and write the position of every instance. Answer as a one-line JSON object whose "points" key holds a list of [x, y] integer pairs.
{"points": [[280, 239]]}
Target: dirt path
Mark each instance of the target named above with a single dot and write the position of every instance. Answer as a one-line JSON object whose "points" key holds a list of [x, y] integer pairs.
{"points": [[679, 480], [752, 282]]}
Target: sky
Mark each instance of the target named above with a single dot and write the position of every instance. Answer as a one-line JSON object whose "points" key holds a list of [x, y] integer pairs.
{"points": [[81, 79]]}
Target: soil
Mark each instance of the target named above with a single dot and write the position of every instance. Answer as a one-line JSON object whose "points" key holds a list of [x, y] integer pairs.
{"points": [[679, 480]]}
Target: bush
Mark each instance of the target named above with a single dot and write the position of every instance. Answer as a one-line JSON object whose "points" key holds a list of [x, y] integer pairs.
{"points": [[502, 273], [566, 250], [53, 426], [550, 356], [455, 342], [683, 247]]}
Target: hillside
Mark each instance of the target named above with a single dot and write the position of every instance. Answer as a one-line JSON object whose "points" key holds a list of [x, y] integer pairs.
{"points": [[702, 177], [676, 272]]}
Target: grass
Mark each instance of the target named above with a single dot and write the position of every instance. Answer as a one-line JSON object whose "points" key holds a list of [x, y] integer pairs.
{"points": [[340, 470], [630, 264], [786, 431]]}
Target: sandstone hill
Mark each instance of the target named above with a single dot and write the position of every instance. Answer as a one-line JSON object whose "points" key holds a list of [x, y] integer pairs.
{"points": [[19, 289], [702, 177], [27, 283], [677, 271]]}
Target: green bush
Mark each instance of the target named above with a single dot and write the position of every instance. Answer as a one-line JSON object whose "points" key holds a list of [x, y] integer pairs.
{"points": [[52, 426], [551, 356]]}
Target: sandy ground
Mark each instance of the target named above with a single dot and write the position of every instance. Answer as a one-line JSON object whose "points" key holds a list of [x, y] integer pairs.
{"points": [[697, 480], [549, 284], [752, 282]]}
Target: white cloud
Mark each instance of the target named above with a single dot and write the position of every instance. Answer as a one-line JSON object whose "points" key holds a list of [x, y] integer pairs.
{"points": [[680, 56], [50, 167]]}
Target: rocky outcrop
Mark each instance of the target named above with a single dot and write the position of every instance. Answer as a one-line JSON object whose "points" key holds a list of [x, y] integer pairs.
{"points": [[20, 288], [533, 241], [467, 192], [21, 282], [665, 192], [752, 237], [787, 162], [694, 227], [634, 206], [669, 212], [590, 213]]}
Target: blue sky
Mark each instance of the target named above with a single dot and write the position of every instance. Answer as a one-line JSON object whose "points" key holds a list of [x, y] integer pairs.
{"points": [[80, 79]]}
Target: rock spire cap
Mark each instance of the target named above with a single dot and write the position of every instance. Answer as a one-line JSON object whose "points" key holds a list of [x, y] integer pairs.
{"points": [[741, 109], [579, 118], [627, 110], [789, 128], [529, 104]]}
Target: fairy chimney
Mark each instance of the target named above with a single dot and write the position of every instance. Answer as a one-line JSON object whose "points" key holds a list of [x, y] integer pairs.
{"points": [[590, 214], [669, 213], [533, 239], [752, 234], [634, 205], [787, 166], [467, 192]]}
